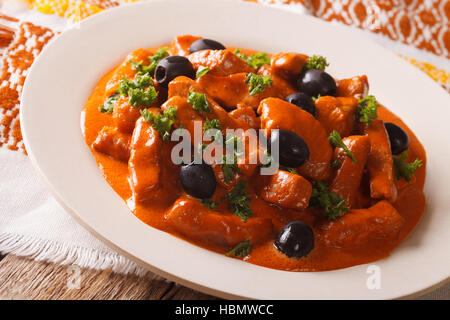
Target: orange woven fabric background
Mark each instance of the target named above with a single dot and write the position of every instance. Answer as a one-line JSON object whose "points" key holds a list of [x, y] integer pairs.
{"points": [[423, 24]]}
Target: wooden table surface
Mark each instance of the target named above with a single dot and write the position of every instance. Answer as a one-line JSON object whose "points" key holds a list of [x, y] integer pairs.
{"points": [[22, 278]]}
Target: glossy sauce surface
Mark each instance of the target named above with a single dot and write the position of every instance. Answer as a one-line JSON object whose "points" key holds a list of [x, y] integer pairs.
{"points": [[410, 201]]}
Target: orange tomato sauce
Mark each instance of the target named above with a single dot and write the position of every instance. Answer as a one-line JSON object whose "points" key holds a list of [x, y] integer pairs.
{"points": [[410, 202]]}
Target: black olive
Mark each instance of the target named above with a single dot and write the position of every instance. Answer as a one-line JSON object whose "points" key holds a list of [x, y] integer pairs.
{"points": [[293, 150], [205, 44], [171, 67], [198, 180], [399, 139], [314, 82], [303, 101], [296, 239]]}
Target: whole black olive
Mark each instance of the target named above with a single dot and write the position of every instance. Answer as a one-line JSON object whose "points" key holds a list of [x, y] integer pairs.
{"points": [[171, 67], [399, 139], [293, 150], [198, 180], [205, 44], [314, 82], [296, 239], [303, 101]]}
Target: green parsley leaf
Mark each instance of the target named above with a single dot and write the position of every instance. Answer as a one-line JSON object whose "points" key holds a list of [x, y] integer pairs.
{"points": [[258, 60], [332, 204], [335, 164], [213, 124], [241, 55], [336, 140], [161, 122], [237, 144], [156, 58], [198, 101], [403, 169], [210, 203], [255, 60], [257, 83], [229, 169], [367, 107], [317, 62], [239, 202], [137, 66], [108, 106], [147, 115], [142, 97], [202, 71], [125, 85], [140, 90], [141, 81], [291, 170], [314, 99], [242, 249]]}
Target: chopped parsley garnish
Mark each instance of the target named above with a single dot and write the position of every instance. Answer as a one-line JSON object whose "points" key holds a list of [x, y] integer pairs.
{"points": [[229, 164], [242, 249], [108, 106], [403, 169], [156, 58], [291, 170], [237, 143], [229, 169], [336, 140], [257, 83], [198, 101], [139, 67], [210, 203], [332, 204], [202, 71], [140, 91], [162, 122], [142, 97], [239, 202], [213, 124], [317, 62], [241, 55], [335, 164], [367, 109], [255, 60], [258, 60], [141, 81]]}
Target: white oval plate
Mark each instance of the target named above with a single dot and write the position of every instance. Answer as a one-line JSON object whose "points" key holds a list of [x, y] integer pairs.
{"points": [[65, 73]]}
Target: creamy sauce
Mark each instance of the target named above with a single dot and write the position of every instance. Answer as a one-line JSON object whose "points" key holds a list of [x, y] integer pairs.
{"points": [[410, 203]]}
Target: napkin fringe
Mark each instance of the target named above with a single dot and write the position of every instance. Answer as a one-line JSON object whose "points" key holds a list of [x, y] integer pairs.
{"points": [[67, 254]]}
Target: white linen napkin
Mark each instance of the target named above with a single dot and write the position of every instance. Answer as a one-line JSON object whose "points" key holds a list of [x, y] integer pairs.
{"points": [[34, 225]]}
